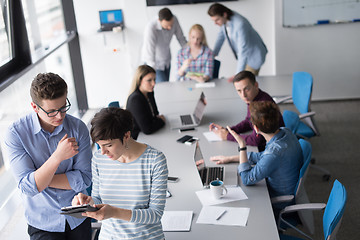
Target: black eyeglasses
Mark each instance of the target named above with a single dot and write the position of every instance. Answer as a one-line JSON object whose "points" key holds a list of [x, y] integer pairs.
{"points": [[55, 112]]}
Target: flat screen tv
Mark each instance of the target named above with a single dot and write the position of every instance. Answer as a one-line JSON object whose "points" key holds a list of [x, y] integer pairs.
{"points": [[173, 2]]}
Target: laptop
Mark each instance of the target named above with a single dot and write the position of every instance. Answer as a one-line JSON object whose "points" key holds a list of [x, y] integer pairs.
{"points": [[110, 19], [190, 120], [207, 174]]}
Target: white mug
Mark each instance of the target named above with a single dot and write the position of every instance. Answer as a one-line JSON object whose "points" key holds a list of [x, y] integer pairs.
{"points": [[218, 189]]}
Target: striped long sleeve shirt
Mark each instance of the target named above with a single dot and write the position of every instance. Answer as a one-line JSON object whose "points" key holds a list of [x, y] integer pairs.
{"points": [[140, 186]]}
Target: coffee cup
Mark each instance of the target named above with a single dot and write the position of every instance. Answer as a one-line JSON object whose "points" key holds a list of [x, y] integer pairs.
{"points": [[217, 189]]}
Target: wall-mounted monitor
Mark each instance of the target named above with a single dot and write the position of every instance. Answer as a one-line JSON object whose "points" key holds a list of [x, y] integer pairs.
{"points": [[110, 19], [173, 2]]}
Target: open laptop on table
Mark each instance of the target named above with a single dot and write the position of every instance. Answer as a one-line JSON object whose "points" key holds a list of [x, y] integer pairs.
{"points": [[189, 120], [207, 174]]}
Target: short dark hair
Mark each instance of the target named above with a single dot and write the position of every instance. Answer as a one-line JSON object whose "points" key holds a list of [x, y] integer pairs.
{"points": [[218, 9], [243, 75], [47, 86], [265, 115], [165, 14], [111, 123]]}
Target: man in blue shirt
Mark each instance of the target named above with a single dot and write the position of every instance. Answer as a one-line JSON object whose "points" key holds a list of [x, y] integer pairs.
{"points": [[50, 157], [246, 44]]}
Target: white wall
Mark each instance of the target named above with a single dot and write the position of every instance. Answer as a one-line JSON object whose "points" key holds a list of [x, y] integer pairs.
{"points": [[331, 53], [108, 74]]}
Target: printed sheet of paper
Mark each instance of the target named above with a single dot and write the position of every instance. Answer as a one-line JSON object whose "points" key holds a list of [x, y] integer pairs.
{"points": [[176, 221]]}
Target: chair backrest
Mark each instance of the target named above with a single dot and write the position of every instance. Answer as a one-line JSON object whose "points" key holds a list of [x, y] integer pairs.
{"points": [[306, 151], [217, 64], [114, 104], [291, 120], [334, 210], [301, 91]]}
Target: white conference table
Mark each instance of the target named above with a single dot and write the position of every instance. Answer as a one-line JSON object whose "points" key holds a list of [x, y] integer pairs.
{"points": [[223, 110], [187, 91]]}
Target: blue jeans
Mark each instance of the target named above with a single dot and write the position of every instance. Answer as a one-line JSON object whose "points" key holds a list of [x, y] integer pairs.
{"points": [[162, 75]]}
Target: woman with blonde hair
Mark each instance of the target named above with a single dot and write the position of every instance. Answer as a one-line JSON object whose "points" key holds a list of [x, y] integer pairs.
{"points": [[196, 60], [141, 102]]}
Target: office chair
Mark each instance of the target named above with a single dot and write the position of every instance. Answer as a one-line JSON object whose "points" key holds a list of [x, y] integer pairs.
{"points": [[217, 64], [334, 210], [114, 104], [305, 218], [303, 124]]}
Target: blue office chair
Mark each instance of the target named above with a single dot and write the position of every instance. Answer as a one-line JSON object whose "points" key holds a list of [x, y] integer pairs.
{"points": [[114, 104], [217, 64], [334, 211], [305, 218], [302, 124]]}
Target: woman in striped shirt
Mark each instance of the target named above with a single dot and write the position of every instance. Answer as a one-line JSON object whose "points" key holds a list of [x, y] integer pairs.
{"points": [[129, 180]]}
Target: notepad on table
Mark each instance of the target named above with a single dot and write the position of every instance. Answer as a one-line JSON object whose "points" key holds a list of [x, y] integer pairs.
{"points": [[212, 137], [229, 216], [176, 221]]}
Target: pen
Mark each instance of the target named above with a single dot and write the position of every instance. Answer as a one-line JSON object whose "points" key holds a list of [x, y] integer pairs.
{"points": [[221, 215]]}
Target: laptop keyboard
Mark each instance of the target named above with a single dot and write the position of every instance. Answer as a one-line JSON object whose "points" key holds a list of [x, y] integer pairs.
{"points": [[215, 173], [186, 120]]}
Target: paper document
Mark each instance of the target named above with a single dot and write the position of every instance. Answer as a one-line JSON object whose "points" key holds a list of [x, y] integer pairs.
{"points": [[228, 216], [205, 85], [176, 221], [234, 194], [212, 137]]}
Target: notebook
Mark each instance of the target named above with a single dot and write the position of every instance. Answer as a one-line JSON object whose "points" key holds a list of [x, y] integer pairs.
{"points": [[189, 120], [207, 174]]}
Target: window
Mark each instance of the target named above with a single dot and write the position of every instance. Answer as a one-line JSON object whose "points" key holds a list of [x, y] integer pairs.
{"points": [[5, 47], [44, 24], [34, 37]]}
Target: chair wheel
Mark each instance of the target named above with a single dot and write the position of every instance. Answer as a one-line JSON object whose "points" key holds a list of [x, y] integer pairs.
{"points": [[326, 177]]}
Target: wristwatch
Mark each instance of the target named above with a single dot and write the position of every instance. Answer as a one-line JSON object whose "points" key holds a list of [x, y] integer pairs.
{"points": [[241, 149]]}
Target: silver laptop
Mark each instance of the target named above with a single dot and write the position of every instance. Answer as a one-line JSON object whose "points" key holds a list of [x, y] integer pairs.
{"points": [[190, 120], [207, 174]]}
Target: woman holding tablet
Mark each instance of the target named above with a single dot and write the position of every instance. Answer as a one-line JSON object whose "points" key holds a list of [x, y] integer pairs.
{"points": [[129, 180]]}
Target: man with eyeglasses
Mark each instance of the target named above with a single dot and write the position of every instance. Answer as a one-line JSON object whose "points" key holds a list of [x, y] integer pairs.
{"points": [[50, 157], [248, 90]]}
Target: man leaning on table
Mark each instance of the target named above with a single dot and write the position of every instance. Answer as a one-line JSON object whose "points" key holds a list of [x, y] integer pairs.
{"points": [[248, 90], [156, 47], [50, 157], [246, 44]]}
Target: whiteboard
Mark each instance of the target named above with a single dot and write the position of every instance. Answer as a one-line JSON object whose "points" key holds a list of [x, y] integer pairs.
{"points": [[299, 13]]}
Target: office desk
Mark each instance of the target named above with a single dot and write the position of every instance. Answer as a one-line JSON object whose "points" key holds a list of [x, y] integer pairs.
{"points": [[261, 223], [186, 91]]}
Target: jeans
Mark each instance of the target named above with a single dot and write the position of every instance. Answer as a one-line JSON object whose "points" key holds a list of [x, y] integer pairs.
{"points": [[162, 75], [83, 231]]}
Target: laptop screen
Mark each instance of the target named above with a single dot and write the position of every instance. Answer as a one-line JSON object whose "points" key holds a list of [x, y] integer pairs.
{"points": [[111, 18], [199, 109], [199, 160]]}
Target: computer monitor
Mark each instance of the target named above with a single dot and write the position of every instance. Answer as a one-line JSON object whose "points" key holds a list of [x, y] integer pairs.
{"points": [[110, 19]]}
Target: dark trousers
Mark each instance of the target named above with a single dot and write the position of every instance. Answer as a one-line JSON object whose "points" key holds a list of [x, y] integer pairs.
{"points": [[83, 231]]}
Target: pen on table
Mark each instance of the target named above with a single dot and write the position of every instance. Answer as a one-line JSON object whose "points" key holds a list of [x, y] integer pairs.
{"points": [[221, 215]]}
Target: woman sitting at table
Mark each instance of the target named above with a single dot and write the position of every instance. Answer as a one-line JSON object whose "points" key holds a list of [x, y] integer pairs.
{"points": [[196, 60], [282, 158], [129, 180], [141, 102]]}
